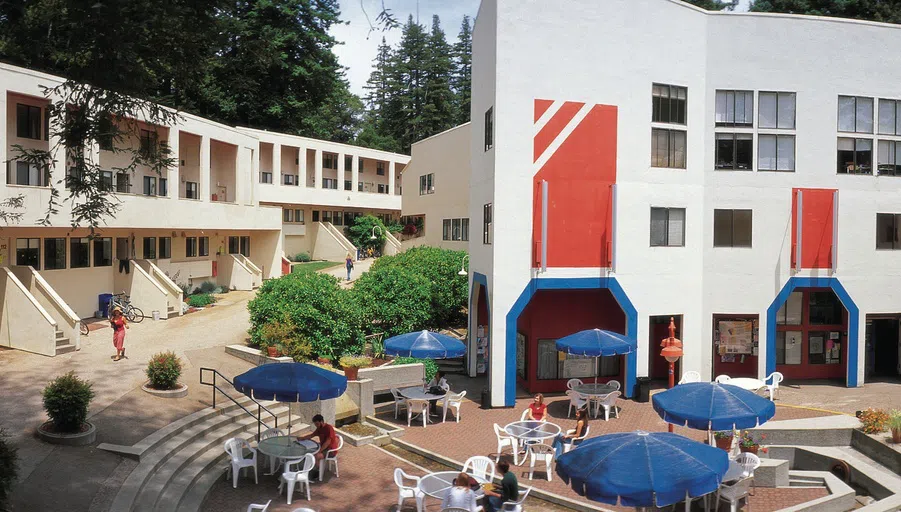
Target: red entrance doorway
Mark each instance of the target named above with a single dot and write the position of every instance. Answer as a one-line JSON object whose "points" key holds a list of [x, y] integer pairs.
{"points": [[658, 367], [811, 335]]}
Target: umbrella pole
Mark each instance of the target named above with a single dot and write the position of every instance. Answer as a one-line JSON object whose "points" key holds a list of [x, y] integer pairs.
{"points": [[596, 360]]}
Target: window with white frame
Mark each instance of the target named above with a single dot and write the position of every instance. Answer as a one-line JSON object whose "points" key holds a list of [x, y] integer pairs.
{"points": [[455, 230], [735, 108], [855, 114], [289, 179], [667, 227], [776, 110], [265, 177], [427, 184], [775, 152], [855, 156], [287, 215]]}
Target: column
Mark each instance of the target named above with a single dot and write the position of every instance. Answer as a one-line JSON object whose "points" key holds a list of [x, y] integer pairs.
{"points": [[205, 168], [341, 170], [175, 170], [317, 176], [391, 178], [277, 164], [355, 173], [302, 178]]}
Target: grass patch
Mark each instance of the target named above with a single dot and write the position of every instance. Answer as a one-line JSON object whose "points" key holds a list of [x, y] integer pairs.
{"points": [[314, 266], [361, 430]]}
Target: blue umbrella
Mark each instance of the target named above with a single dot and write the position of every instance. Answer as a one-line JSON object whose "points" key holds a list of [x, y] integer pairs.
{"points": [[713, 406], [642, 469], [425, 345], [596, 343]]}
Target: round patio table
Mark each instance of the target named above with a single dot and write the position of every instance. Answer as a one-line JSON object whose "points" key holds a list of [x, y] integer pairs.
{"points": [[417, 393], [286, 447], [530, 432], [437, 484], [746, 383], [595, 393]]}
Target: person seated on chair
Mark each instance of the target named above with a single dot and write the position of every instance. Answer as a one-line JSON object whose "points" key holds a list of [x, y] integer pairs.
{"points": [[328, 438], [563, 439], [437, 386], [461, 494], [537, 410], [509, 490]]}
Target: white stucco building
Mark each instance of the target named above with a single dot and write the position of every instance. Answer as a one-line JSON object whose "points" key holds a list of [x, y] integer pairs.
{"points": [[636, 160]]}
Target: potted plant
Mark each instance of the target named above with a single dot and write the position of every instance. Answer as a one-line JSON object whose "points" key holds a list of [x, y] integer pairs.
{"points": [[163, 372], [66, 400], [352, 365], [894, 423], [873, 421], [723, 439], [272, 350], [747, 444], [274, 333]]}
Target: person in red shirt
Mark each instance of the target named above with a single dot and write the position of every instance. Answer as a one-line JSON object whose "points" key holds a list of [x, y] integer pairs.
{"points": [[328, 438], [537, 410]]}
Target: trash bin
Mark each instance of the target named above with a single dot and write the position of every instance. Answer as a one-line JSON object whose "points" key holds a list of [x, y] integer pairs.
{"points": [[486, 399], [104, 299], [643, 395]]}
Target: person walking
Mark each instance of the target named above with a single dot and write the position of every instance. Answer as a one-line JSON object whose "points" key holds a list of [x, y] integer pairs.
{"points": [[119, 323], [349, 264]]}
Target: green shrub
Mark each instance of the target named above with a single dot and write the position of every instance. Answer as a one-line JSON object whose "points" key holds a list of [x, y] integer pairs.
{"points": [[360, 234], [163, 370], [326, 316], [8, 468], [394, 300], [894, 420], [201, 300], [355, 361], [66, 400], [207, 287], [431, 367], [301, 257], [284, 335]]}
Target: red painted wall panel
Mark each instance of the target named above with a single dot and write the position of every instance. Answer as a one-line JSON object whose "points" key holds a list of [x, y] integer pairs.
{"points": [[816, 227], [580, 176]]}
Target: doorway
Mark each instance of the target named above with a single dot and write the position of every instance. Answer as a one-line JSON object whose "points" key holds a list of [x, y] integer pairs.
{"points": [[884, 337], [658, 368]]}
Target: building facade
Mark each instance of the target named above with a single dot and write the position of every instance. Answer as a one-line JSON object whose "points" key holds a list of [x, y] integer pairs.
{"points": [[436, 204], [644, 160]]}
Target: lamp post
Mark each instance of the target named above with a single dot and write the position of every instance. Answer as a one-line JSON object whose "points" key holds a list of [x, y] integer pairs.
{"points": [[672, 351], [373, 232], [463, 271]]}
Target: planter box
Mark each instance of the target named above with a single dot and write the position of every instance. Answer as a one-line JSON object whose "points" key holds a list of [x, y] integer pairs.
{"points": [[179, 392], [79, 439], [393, 376], [254, 356]]}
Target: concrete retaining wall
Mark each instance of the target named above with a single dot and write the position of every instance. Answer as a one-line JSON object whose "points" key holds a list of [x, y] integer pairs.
{"points": [[393, 376]]}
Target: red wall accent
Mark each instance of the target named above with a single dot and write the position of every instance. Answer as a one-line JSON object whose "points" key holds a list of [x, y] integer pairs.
{"points": [[805, 370], [541, 107], [580, 177], [555, 126], [286, 266], [658, 367], [816, 229], [553, 314]]}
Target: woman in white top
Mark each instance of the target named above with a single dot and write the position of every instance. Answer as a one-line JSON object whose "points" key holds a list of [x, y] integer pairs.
{"points": [[460, 495]]}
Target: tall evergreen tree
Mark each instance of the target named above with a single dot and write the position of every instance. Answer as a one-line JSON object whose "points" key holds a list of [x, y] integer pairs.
{"points": [[438, 109], [374, 132], [462, 78], [403, 117]]}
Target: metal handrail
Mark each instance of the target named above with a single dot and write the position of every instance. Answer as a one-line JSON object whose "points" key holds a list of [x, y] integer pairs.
{"points": [[260, 407]]}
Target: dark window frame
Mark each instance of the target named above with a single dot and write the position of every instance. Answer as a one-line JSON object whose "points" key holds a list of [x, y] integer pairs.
{"points": [[79, 247], [101, 245], [192, 190], [777, 137], [266, 177], [148, 244], [191, 247], [776, 95], [735, 93], [873, 121], [666, 241], [29, 255], [670, 104], [487, 220], [165, 242], [735, 152], [892, 168], [856, 162], [203, 246], [671, 149], [895, 220], [234, 246], [489, 129], [732, 223], [31, 127], [53, 259]]}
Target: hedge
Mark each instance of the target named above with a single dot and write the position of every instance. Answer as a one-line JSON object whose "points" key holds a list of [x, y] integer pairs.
{"points": [[8, 468], [394, 300]]}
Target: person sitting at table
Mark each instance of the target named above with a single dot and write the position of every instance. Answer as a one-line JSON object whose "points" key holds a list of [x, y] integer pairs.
{"points": [[537, 410], [571, 438], [509, 489], [328, 438], [437, 386], [461, 494]]}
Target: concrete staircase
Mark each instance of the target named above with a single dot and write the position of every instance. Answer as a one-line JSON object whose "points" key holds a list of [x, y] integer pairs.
{"points": [[178, 464], [172, 311], [63, 344]]}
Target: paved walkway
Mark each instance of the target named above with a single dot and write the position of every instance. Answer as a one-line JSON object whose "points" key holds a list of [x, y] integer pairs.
{"points": [[360, 267]]}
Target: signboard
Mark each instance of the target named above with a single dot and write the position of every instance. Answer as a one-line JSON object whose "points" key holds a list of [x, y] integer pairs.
{"points": [[578, 368], [736, 337]]}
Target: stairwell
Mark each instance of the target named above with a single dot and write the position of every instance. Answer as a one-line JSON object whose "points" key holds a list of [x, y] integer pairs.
{"points": [[34, 317], [331, 244]]}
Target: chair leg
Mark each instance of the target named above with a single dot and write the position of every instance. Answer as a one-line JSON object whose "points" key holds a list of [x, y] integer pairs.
{"points": [[321, 469], [531, 468], [606, 413], [235, 472], [400, 502], [308, 488], [444, 413], [420, 502], [291, 484], [256, 480]]}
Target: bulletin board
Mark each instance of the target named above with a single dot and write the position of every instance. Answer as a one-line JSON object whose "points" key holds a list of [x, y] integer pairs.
{"points": [[736, 337]]}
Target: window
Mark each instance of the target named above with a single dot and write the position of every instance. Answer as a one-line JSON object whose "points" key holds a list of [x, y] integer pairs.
{"points": [[776, 110], [105, 134], [28, 122], [298, 216], [338, 218], [54, 253], [315, 215], [26, 174], [427, 184], [855, 114], [287, 215], [123, 184], [265, 177], [821, 347], [165, 248], [734, 150], [735, 108], [245, 246], [149, 248], [380, 168], [888, 158], [348, 162], [349, 218], [855, 156], [732, 228], [825, 308], [106, 181], [149, 186], [326, 216], [329, 161], [103, 252], [149, 143], [191, 190], [331, 183], [550, 366], [446, 229], [80, 252], [790, 312], [489, 129], [888, 231], [204, 243], [359, 186], [487, 219], [383, 189], [889, 117], [789, 339], [667, 227], [190, 247], [669, 104], [46, 124], [233, 245], [360, 163], [348, 185], [776, 152], [289, 179], [455, 229], [28, 252], [667, 148], [163, 189]]}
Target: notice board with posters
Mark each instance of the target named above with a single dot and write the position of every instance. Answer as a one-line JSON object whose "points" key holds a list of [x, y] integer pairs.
{"points": [[736, 337]]}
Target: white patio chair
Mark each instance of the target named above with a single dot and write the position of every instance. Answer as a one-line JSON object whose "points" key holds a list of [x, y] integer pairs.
{"points": [[504, 439], [417, 406], [445, 386], [405, 492], [773, 388], [734, 493], [609, 404], [261, 508], [331, 457], [479, 466], [517, 506], [722, 379], [234, 447], [454, 400], [567, 447], [399, 401], [749, 462], [300, 475], [572, 383], [690, 376], [575, 400], [541, 451], [273, 461]]}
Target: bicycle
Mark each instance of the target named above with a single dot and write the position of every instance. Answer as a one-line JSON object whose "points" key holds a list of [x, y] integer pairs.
{"points": [[84, 328], [132, 313]]}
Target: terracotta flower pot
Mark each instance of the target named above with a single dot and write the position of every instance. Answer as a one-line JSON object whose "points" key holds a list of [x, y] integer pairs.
{"points": [[351, 373], [749, 449], [724, 443], [896, 435], [273, 351]]}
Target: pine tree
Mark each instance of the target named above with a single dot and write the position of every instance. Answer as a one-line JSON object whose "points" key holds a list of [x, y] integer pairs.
{"points": [[438, 108], [462, 79], [403, 118]]}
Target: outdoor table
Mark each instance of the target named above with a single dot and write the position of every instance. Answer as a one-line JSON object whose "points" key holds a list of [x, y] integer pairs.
{"points": [[417, 393], [437, 484], [735, 472], [531, 431], [746, 383], [286, 447], [595, 392]]}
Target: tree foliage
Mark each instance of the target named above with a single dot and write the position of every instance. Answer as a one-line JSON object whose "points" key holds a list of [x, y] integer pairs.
{"points": [[394, 300], [8, 468], [714, 5], [66, 400], [461, 81], [364, 228], [888, 11]]}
